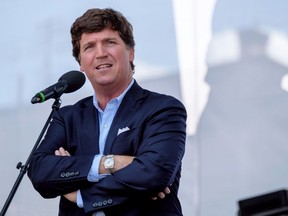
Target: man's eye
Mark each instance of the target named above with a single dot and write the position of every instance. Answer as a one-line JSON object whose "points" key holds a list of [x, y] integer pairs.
{"points": [[110, 42], [88, 47]]}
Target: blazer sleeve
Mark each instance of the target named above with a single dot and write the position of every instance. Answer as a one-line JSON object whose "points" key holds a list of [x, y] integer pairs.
{"points": [[54, 175], [161, 132]]}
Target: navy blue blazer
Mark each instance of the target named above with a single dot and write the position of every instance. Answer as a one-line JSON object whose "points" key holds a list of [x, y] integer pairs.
{"points": [[154, 132]]}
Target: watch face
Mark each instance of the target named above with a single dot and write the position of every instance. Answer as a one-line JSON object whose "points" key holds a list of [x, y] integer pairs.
{"points": [[109, 162]]}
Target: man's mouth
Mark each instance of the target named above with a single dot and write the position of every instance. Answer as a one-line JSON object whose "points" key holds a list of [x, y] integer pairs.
{"points": [[103, 66]]}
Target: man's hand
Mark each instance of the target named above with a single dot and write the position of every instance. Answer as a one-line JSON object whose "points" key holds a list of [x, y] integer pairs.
{"points": [[162, 195], [72, 197], [62, 152]]}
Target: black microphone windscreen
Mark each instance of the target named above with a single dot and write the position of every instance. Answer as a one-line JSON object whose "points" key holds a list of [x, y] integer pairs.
{"points": [[74, 79]]}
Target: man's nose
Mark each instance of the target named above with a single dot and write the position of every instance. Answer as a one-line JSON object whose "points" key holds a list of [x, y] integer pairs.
{"points": [[100, 51]]}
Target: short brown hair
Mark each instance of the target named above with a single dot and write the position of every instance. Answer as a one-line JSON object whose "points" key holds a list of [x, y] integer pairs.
{"points": [[95, 20]]}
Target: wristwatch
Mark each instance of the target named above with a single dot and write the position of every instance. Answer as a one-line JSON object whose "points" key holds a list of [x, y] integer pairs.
{"points": [[109, 163]]}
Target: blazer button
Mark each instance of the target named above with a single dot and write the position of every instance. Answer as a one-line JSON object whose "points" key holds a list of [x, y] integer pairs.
{"points": [[95, 205], [105, 202], [100, 204], [62, 175], [109, 201]]}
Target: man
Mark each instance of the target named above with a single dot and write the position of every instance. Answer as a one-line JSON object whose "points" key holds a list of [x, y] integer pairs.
{"points": [[111, 154]]}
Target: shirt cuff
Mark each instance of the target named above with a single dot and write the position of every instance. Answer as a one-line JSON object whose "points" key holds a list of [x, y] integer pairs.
{"points": [[93, 175], [79, 200]]}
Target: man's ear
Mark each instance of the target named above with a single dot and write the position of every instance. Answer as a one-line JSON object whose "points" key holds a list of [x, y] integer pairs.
{"points": [[81, 69], [131, 55]]}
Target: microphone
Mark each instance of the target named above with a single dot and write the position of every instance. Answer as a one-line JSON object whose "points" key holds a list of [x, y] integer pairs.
{"points": [[68, 82]]}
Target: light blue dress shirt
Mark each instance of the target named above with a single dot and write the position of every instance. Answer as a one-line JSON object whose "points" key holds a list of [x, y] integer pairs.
{"points": [[105, 120]]}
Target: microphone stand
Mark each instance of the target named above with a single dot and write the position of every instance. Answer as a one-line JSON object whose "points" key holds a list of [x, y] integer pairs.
{"points": [[23, 168]]}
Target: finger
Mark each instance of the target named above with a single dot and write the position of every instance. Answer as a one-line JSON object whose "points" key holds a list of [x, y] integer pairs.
{"points": [[154, 198], [59, 153], [161, 195], [63, 152], [67, 153], [167, 190]]}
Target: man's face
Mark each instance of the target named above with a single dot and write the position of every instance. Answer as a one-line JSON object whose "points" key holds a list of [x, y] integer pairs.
{"points": [[105, 59]]}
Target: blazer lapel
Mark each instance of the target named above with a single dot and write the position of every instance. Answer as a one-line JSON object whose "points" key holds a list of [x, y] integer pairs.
{"points": [[128, 106], [90, 128]]}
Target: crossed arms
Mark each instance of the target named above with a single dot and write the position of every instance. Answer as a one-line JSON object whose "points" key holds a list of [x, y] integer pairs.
{"points": [[121, 161]]}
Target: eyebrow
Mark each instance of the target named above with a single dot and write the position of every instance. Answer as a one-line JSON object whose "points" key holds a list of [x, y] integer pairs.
{"points": [[110, 38], [88, 44], [103, 39]]}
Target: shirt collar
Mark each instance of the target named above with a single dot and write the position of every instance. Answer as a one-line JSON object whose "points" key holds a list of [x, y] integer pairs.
{"points": [[118, 99]]}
